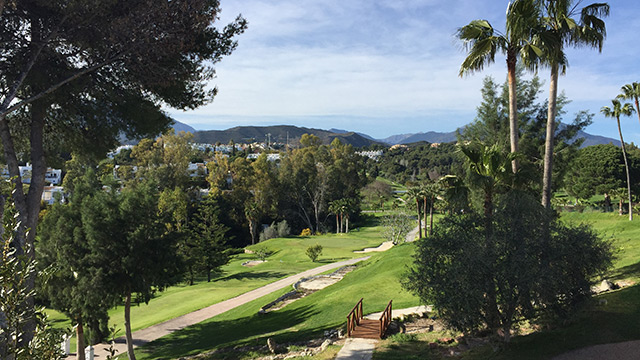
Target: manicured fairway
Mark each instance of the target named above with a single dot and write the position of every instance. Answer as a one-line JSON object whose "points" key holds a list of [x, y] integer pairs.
{"points": [[288, 259], [376, 280]]}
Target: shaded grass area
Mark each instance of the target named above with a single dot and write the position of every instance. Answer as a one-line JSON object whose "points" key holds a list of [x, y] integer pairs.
{"points": [[598, 324], [376, 281], [288, 259], [408, 347]]}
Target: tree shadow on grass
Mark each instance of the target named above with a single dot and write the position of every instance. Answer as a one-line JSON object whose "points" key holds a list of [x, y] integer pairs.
{"points": [[331, 260], [630, 271], [213, 334], [247, 275]]}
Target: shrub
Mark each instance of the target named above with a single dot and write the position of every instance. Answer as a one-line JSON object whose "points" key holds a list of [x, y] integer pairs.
{"points": [[263, 253], [314, 251], [475, 275], [402, 338], [283, 229], [306, 232], [269, 233]]}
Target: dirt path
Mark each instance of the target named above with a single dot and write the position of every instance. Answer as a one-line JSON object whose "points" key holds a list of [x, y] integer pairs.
{"points": [[151, 333], [628, 350]]}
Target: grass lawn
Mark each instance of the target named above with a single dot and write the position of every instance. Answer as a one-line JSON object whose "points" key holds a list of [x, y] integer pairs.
{"points": [[615, 321], [288, 258], [376, 280]]}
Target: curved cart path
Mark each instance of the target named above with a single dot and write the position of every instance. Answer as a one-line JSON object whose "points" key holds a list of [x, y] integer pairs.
{"points": [[157, 331]]}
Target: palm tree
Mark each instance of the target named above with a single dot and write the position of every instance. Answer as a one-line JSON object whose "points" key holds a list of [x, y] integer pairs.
{"points": [[489, 170], [615, 112], [415, 193], [334, 208], [482, 42], [560, 30], [632, 91]]}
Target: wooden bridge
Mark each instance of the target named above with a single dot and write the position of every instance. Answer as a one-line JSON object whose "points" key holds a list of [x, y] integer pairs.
{"points": [[358, 327]]}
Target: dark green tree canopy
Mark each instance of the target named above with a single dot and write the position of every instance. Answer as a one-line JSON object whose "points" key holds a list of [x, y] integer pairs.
{"points": [[599, 169]]}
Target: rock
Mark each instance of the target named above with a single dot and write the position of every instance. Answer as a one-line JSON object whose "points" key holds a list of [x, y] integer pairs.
{"points": [[272, 345], [325, 345], [605, 285], [340, 334]]}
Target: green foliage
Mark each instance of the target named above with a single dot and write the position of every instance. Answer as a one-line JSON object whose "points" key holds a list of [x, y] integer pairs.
{"points": [[283, 229], [599, 169], [263, 253], [402, 338], [75, 285], [529, 264], [314, 251], [491, 125], [418, 161], [206, 246], [16, 271], [396, 226]]}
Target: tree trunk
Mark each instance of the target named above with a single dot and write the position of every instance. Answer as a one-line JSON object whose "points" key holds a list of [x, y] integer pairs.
{"points": [[513, 109], [337, 224], [635, 98], [208, 274], [431, 216], [548, 145], [252, 230], [620, 212], [419, 219], [424, 215], [626, 167], [127, 326], [80, 345], [347, 224]]}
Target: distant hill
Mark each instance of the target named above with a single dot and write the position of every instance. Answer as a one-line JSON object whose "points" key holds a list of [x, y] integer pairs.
{"points": [[279, 133], [590, 139], [340, 131], [178, 126], [443, 137]]}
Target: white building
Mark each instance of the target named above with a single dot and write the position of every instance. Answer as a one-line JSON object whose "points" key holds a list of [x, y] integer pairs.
{"points": [[51, 176], [52, 194], [371, 154]]}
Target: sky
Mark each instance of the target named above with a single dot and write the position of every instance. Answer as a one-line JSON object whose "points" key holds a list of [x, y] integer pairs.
{"points": [[391, 67]]}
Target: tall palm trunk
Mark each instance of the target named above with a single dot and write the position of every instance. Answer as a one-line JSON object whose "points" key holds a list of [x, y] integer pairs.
{"points": [[431, 216], [548, 145], [127, 326], [419, 219], [337, 224], [424, 214], [626, 167], [513, 108], [635, 99]]}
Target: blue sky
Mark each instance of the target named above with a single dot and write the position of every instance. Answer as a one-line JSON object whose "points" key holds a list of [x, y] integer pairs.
{"points": [[390, 67]]}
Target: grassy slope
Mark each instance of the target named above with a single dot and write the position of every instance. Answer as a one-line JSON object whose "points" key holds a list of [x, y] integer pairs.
{"points": [[288, 259], [376, 280], [597, 324]]}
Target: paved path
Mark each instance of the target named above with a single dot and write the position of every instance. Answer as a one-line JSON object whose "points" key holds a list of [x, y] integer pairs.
{"points": [[157, 331], [357, 349], [628, 350], [412, 235]]}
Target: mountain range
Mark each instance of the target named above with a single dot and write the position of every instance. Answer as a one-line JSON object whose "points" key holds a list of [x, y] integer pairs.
{"points": [[291, 134]]}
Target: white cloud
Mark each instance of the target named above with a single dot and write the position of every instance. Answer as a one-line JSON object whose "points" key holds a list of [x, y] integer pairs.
{"points": [[371, 61]]}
